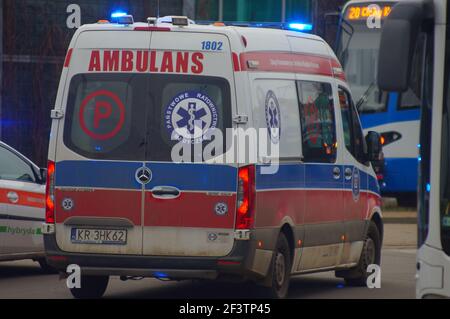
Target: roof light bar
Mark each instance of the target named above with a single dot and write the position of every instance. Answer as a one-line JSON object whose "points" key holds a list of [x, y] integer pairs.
{"points": [[294, 26], [180, 21], [300, 26], [120, 17], [152, 20], [118, 14]]}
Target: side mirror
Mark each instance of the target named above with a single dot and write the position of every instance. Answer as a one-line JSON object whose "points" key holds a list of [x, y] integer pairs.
{"points": [[398, 43], [374, 146], [43, 175]]}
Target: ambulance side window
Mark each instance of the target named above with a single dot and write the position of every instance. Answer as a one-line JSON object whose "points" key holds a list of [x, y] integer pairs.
{"points": [[353, 135], [276, 110], [317, 121], [13, 168]]}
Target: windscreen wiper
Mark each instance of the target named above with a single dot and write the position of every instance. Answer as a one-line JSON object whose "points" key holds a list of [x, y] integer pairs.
{"points": [[363, 100]]}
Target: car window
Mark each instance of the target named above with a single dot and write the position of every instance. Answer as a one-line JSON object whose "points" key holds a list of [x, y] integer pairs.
{"points": [[353, 135], [345, 105], [318, 121], [14, 168]]}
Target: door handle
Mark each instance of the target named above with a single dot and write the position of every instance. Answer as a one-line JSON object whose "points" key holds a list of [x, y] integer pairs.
{"points": [[13, 197], [165, 192], [348, 173], [336, 172]]}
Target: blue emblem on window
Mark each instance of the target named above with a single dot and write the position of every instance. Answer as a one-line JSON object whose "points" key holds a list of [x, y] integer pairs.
{"points": [[189, 117]]}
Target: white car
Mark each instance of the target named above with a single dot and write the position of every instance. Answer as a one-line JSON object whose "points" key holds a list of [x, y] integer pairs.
{"points": [[22, 207]]}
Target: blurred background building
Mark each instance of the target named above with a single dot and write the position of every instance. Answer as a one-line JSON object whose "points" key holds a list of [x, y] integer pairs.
{"points": [[34, 36]]}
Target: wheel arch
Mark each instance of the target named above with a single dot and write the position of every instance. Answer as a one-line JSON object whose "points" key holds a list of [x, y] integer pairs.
{"points": [[377, 219], [288, 232]]}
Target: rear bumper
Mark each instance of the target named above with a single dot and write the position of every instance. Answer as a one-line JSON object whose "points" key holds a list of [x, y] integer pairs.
{"points": [[235, 263]]}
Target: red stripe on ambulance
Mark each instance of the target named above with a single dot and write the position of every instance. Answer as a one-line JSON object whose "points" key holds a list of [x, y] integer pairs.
{"points": [[285, 62], [191, 209], [100, 203], [146, 61]]}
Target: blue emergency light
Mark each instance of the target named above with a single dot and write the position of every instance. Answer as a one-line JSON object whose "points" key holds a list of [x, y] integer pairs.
{"points": [[293, 26], [118, 14], [300, 26], [161, 275], [121, 17]]}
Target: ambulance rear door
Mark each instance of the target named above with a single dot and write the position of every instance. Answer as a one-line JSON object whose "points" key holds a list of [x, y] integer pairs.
{"points": [[189, 208], [101, 144]]}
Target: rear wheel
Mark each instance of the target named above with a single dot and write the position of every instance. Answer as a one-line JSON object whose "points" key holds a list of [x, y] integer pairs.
{"points": [[92, 287], [371, 254], [280, 269]]}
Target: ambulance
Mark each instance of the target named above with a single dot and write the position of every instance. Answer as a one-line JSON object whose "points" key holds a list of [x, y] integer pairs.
{"points": [[22, 208], [119, 204]]}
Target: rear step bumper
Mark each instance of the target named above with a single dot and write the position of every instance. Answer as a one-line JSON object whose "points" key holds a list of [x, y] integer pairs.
{"points": [[236, 263]]}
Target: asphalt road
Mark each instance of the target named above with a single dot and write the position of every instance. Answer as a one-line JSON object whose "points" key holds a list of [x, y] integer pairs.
{"points": [[24, 279]]}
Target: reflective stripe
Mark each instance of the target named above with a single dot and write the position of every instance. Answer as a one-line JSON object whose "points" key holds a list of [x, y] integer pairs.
{"points": [[24, 198], [286, 62]]}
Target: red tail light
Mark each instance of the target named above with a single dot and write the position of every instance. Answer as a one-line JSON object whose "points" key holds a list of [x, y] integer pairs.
{"points": [[50, 194], [245, 197]]}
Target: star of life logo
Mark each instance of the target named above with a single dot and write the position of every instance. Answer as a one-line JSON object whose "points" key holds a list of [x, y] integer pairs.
{"points": [[273, 117], [190, 117]]}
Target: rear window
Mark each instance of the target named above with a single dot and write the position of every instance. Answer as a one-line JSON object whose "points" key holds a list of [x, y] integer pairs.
{"points": [[135, 116]]}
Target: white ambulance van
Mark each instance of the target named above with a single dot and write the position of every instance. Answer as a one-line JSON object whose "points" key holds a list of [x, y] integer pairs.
{"points": [[118, 204]]}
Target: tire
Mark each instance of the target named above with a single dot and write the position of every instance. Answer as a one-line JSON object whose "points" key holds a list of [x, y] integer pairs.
{"points": [[46, 268], [371, 254], [92, 287], [280, 270]]}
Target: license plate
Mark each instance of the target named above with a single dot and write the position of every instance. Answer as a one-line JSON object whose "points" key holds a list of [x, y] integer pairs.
{"points": [[98, 236]]}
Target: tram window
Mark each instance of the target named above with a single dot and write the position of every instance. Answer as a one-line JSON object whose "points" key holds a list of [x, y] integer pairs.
{"points": [[425, 143], [445, 155], [411, 99]]}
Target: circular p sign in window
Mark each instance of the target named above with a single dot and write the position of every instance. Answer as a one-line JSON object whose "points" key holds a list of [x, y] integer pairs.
{"points": [[101, 123]]}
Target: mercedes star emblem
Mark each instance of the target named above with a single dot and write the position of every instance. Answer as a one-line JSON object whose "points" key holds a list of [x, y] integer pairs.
{"points": [[143, 175]]}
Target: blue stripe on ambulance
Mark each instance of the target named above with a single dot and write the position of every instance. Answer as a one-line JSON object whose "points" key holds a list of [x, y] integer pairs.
{"points": [[107, 174], [316, 176], [199, 177]]}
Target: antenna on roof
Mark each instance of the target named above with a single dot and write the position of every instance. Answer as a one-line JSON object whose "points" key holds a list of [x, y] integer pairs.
{"points": [[157, 9]]}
